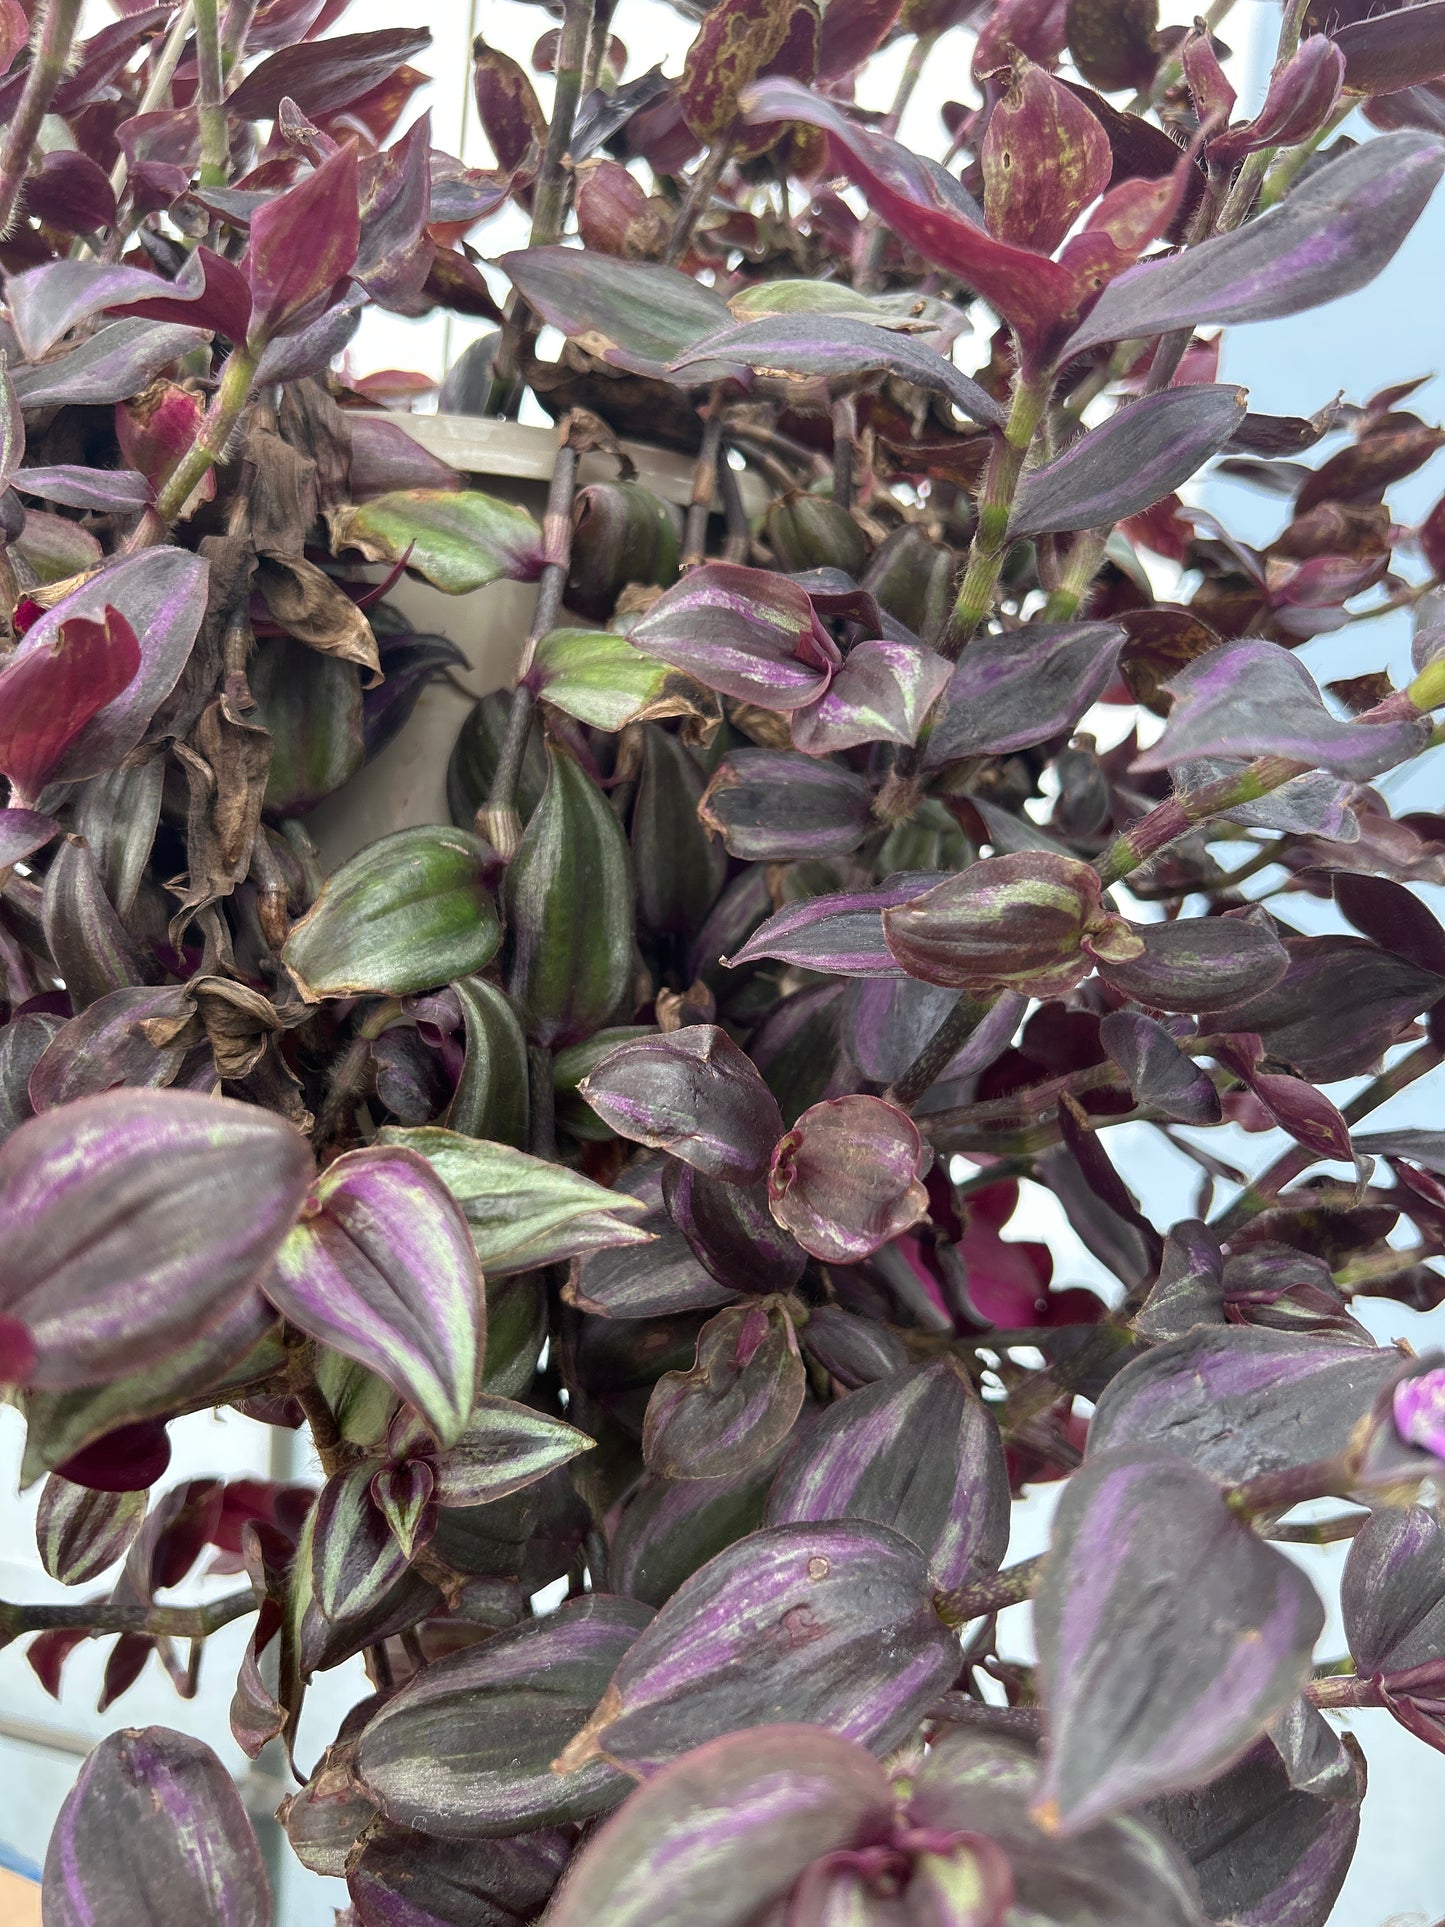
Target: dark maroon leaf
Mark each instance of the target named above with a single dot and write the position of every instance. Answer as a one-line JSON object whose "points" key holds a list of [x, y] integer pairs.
{"points": [[771, 806], [731, 1232], [1129, 462], [1330, 236], [466, 1750], [1147, 1689], [769, 1802], [1240, 1403], [154, 1830], [692, 1093], [324, 75], [1393, 50], [1392, 1591], [865, 1459], [1157, 1071], [847, 1177], [403, 1879], [291, 275], [630, 314], [737, 1403], [1199, 963], [1262, 1850], [825, 1623], [1015, 689]]}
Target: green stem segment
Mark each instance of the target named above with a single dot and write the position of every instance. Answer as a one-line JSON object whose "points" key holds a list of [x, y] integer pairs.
{"points": [[52, 44], [995, 507], [1007, 1588], [1179, 814], [210, 95], [209, 446]]}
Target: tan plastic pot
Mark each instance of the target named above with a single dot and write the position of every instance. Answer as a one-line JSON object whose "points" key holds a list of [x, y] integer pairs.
{"points": [[406, 784]]}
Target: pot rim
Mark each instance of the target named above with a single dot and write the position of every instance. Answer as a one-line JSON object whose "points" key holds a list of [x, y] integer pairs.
{"points": [[521, 452]]}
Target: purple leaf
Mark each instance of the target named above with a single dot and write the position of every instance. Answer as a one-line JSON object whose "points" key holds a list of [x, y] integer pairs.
{"points": [[806, 348], [666, 1530], [887, 1024], [1136, 458], [1392, 1591], [401, 1879], [47, 302], [735, 1406], [1257, 699], [765, 1804], [115, 363], [49, 695], [1264, 1853], [106, 1047], [323, 75], [917, 1451], [302, 243], [745, 632], [109, 490], [825, 1623], [80, 1532], [731, 1232], [1297, 1107], [381, 1268], [162, 596], [1157, 1071], [648, 1282], [1190, 1288], [154, 1830], [1149, 1688], [1021, 687], [12, 429], [210, 292], [1122, 1873], [22, 833], [355, 1558], [692, 1093], [1392, 916], [881, 694], [522, 1211], [1199, 963], [848, 1178], [925, 207], [774, 806], [104, 1271], [465, 1750], [1384, 54], [841, 935], [1340, 1003], [1333, 234], [630, 314], [504, 1448], [1238, 1403]]}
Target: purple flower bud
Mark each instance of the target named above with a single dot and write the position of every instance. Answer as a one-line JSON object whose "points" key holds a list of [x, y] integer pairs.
{"points": [[1419, 1408], [848, 1177], [1031, 920]]}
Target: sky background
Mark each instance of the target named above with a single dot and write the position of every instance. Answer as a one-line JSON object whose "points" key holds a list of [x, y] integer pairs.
{"points": [[1387, 333]]}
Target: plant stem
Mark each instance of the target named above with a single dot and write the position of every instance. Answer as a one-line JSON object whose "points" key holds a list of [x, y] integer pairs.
{"points": [[1179, 814], [553, 191], [738, 541], [1172, 71], [1264, 1191], [158, 86], [1006, 1588], [700, 191], [845, 433], [497, 820], [995, 507], [704, 488], [52, 43], [205, 451], [867, 276], [1293, 1485], [210, 95], [1079, 572], [940, 1050], [101, 1616]]}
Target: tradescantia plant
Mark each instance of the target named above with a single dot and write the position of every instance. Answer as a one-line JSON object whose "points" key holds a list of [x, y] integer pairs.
{"points": [[615, 1182]]}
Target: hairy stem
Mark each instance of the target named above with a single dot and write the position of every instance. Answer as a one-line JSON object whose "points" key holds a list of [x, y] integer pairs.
{"points": [[995, 506], [51, 45], [212, 439], [1006, 1588]]}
